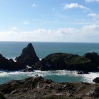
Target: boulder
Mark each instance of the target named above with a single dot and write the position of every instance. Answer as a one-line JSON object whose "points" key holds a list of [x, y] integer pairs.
{"points": [[82, 72], [96, 80], [28, 56], [59, 61], [28, 69]]}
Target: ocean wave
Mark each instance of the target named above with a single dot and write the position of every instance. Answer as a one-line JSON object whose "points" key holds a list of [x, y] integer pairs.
{"points": [[58, 76]]}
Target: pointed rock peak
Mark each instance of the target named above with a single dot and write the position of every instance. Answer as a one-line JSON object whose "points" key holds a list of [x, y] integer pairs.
{"points": [[29, 45], [28, 55]]}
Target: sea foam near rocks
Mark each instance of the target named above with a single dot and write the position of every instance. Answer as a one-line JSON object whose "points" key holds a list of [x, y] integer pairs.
{"points": [[57, 76]]}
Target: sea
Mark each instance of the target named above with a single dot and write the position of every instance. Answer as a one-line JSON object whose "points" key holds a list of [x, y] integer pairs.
{"points": [[42, 49]]}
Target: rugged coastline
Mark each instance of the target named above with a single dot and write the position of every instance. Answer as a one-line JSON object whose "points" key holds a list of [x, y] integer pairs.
{"points": [[40, 88], [89, 62]]}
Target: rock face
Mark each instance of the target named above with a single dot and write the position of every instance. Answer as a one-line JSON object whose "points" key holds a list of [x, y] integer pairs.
{"points": [[61, 61], [40, 88], [28, 56]]}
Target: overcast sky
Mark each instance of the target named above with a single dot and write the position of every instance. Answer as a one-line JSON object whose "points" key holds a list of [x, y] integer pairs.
{"points": [[49, 20]]}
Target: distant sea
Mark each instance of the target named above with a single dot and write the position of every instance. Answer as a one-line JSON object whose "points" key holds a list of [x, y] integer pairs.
{"points": [[42, 49]]}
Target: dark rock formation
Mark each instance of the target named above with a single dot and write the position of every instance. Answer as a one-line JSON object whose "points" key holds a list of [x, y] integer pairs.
{"points": [[56, 61], [15, 65], [40, 88], [61, 61], [6, 64], [96, 80], [28, 56], [30, 69], [82, 72], [2, 96], [94, 57]]}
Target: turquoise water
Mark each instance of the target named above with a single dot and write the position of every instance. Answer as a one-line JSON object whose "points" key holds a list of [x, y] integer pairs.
{"points": [[14, 49]]}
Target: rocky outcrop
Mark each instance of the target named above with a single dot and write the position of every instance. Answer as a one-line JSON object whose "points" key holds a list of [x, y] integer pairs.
{"points": [[6, 64], [96, 80], [94, 57], [28, 56], [15, 65], [40, 88], [56, 61], [59, 61]]}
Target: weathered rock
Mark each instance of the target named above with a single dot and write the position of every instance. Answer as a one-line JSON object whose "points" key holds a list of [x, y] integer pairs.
{"points": [[28, 56], [58, 61], [40, 88]]}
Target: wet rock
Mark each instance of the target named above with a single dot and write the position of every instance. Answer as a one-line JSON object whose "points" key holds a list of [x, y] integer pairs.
{"points": [[82, 72], [96, 80], [28, 70]]}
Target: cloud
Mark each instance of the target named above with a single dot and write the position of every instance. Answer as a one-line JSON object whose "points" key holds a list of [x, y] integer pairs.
{"points": [[74, 5], [92, 27], [34, 5], [88, 33], [94, 15], [14, 28], [88, 1], [26, 22]]}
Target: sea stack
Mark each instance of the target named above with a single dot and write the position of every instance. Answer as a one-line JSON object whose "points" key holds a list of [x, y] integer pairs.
{"points": [[28, 56]]}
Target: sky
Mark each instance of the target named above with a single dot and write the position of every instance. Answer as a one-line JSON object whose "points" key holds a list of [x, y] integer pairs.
{"points": [[49, 20]]}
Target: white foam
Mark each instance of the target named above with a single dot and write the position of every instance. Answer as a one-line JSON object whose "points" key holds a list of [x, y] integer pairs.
{"points": [[60, 73]]}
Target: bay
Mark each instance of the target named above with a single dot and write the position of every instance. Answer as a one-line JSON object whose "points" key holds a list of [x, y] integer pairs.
{"points": [[42, 49]]}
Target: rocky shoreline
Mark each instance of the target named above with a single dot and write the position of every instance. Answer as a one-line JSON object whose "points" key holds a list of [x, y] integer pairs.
{"points": [[40, 88], [89, 62]]}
